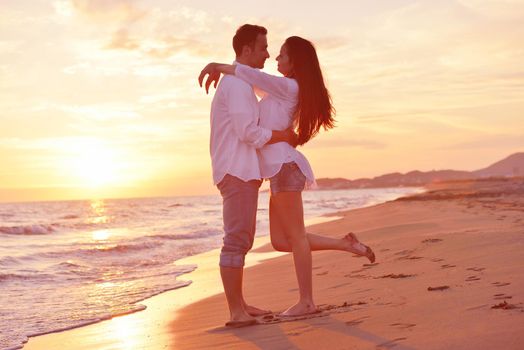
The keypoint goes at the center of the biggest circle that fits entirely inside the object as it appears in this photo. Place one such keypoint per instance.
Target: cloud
(121, 40)
(108, 11)
(151, 32)
(160, 48)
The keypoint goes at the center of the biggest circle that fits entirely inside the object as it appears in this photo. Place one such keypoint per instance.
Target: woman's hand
(288, 136)
(212, 73)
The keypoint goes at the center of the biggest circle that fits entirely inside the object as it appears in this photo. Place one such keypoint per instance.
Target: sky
(100, 98)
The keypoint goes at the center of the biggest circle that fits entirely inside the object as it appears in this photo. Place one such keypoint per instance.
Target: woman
(298, 99)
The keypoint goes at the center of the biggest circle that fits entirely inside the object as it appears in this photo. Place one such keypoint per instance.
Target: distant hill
(508, 167)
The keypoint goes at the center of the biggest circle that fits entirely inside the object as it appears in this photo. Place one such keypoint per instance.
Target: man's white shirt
(235, 133)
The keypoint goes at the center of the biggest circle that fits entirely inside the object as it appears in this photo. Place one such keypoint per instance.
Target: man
(235, 136)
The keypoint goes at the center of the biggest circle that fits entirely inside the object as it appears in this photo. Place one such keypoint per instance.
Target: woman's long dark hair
(314, 108)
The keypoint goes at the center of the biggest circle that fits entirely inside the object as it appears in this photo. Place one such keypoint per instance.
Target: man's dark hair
(246, 35)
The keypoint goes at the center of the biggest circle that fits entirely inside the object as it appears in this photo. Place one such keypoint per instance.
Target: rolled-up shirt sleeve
(244, 118)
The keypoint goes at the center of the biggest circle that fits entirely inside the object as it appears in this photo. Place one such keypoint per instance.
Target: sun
(96, 164)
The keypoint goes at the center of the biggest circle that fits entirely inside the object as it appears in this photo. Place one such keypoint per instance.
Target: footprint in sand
(502, 296)
(339, 308)
(356, 321)
(390, 344)
(403, 325)
(370, 265)
(472, 278)
(274, 318)
(500, 284)
(438, 288)
(322, 273)
(447, 266)
(356, 275)
(476, 269)
(323, 311)
(410, 258)
(392, 275)
(505, 306)
(405, 252)
(437, 260)
(432, 240)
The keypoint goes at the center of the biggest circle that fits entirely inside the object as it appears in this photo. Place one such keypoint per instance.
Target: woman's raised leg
(280, 242)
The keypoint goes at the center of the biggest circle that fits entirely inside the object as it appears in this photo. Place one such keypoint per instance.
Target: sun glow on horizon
(95, 164)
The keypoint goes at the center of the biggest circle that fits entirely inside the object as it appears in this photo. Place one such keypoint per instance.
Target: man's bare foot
(255, 311)
(241, 320)
(353, 245)
(300, 309)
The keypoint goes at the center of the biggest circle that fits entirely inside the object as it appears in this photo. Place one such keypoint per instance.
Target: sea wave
(121, 248)
(76, 270)
(67, 217)
(9, 260)
(12, 276)
(195, 234)
(5, 277)
(28, 230)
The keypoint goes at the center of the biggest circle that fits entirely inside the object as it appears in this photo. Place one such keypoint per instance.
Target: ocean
(65, 264)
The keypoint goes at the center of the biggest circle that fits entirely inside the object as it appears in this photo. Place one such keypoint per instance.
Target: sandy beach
(448, 275)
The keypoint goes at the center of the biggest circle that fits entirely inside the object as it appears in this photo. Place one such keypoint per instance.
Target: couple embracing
(252, 141)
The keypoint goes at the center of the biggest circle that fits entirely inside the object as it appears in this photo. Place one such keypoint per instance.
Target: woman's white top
(277, 107)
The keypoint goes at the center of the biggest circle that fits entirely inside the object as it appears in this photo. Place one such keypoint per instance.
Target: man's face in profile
(259, 53)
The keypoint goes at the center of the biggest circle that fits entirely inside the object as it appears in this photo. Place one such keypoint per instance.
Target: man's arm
(254, 136)
(240, 105)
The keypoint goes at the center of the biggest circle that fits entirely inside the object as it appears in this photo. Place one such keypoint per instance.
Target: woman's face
(284, 64)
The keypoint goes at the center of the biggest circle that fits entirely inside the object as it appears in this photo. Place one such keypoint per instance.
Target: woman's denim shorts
(289, 179)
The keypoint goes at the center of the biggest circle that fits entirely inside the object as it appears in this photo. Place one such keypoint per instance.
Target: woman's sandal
(360, 247)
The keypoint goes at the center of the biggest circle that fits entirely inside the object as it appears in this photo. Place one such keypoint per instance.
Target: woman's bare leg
(281, 243)
(288, 207)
